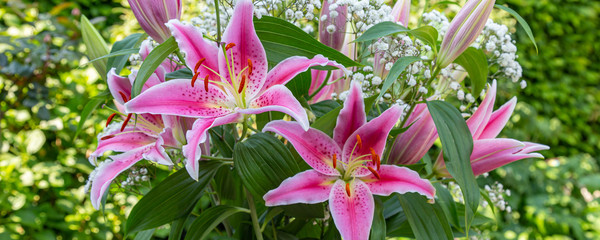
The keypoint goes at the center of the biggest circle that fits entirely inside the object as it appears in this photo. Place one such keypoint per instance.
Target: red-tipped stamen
(206, 83)
(229, 46)
(123, 96)
(110, 118)
(374, 172)
(358, 141)
(125, 122)
(195, 78)
(378, 162)
(198, 64)
(348, 189)
(107, 137)
(242, 83)
(375, 157)
(334, 160)
(249, 66)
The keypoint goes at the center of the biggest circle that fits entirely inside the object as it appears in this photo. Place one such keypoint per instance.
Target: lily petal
(177, 97)
(278, 98)
(195, 47)
(199, 134)
(287, 69)
(248, 48)
(481, 117)
(124, 141)
(373, 135)
(314, 146)
(498, 120)
(117, 85)
(352, 116)
(411, 145)
(489, 154)
(352, 215)
(308, 187)
(398, 179)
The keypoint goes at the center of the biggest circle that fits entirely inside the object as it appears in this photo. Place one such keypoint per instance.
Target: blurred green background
(44, 85)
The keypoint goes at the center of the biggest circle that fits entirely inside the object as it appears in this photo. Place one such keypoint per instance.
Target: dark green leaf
(427, 34)
(184, 73)
(447, 203)
(266, 117)
(89, 107)
(475, 62)
(177, 227)
(378, 227)
(282, 40)
(300, 84)
(395, 72)
(210, 218)
(457, 145)
(171, 199)
(522, 22)
(381, 29)
(128, 43)
(327, 122)
(304, 211)
(323, 107)
(155, 58)
(424, 220)
(223, 139)
(144, 235)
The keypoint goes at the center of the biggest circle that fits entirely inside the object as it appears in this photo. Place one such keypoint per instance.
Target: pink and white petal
(308, 187)
(373, 135)
(533, 147)
(131, 138)
(178, 97)
(145, 49)
(117, 84)
(278, 98)
(352, 116)
(318, 77)
(157, 153)
(489, 154)
(352, 215)
(108, 170)
(248, 47)
(411, 145)
(199, 134)
(400, 180)
(480, 118)
(498, 120)
(192, 43)
(292, 66)
(314, 146)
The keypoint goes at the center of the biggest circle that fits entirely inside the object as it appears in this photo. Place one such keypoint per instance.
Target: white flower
(470, 98)
(376, 80)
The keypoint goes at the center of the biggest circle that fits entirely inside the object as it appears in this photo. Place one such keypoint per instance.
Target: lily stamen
(126, 121)
(206, 83)
(123, 96)
(334, 160)
(358, 141)
(374, 172)
(242, 83)
(198, 64)
(348, 189)
(249, 66)
(110, 118)
(229, 46)
(107, 137)
(195, 78)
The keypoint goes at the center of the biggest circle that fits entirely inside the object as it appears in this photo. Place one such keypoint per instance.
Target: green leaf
(263, 118)
(381, 29)
(522, 22)
(425, 221)
(263, 162)
(144, 235)
(184, 73)
(155, 58)
(95, 45)
(177, 227)
(222, 139)
(282, 39)
(427, 34)
(457, 145)
(327, 122)
(378, 227)
(395, 72)
(210, 218)
(323, 107)
(89, 107)
(300, 84)
(171, 199)
(117, 53)
(127, 44)
(445, 200)
(475, 62)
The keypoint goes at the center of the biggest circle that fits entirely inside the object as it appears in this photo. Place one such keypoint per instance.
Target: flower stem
(253, 216)
(320, 87)
(216, 158)
(218, 21)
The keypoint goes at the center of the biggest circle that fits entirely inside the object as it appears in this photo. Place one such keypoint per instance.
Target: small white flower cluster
(135, 177)
(365, 13)
(292, 10)
(496, 193)
(207, 22)
(437, 20)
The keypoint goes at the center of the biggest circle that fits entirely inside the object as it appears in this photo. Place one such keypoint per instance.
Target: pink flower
(346, 169)
(229, 81)
(401, 12)
(333, 29)
(490, 152)
(464, 29)
(411, 145)
(153, 14)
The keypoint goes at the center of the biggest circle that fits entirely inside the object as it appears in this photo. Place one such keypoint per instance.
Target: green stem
(320, 87)
(181, 59)
(218, 22)
(244, 130)
(215, 158)
(418, 95)
(253, 216)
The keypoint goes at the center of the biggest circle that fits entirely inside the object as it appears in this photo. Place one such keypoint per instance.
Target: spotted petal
(117, 85)
(280, 99)
(352, 215)
(178, 97)
(124, 141)
(192, 43)
(398, 179)
(314, 146)
(308, 187)
(352, 116)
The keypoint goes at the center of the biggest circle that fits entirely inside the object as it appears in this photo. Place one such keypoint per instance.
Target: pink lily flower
(153, 14)
(490, 152)
(145, 139)
(346, 169)
(411, 145)
(401, 12)
(464, 30)
(235, 81)
(335, 38)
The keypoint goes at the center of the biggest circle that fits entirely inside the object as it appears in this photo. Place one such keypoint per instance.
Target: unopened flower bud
(153, 14)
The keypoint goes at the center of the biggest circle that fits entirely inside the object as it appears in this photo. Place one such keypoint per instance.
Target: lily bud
(411, 145)
(401, 11)
(153, 14)
(332, 27)
(464, 29)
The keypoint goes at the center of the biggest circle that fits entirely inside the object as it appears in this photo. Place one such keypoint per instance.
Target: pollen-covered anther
(229, 46)
(376, 159)
(348, 189)
(374, 172)
(358, 141)
(194, 78)
(334, 160)
(242, 83)
(126, 121)
(198, 64)
(249, 66)
(110, 118)
(206, 83)
(123, 96)
(107, 137)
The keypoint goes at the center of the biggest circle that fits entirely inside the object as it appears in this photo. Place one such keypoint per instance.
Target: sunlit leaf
(476, 64)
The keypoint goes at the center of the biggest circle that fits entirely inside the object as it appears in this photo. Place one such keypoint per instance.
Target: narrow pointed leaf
(89, 107)
(211, 218)
(427, 34)
(378, 227)
(395, 72)
(522, 22)
(177, 227)
(116, 54)
(424, 220)
(445, 200)
(128, 43)
(381, 29)
(475, 62)
(95, 45)
(184, 73)
(144, 235)
(155, 58)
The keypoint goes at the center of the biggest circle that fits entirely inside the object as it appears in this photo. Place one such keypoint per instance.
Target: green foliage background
(43, 88)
